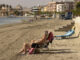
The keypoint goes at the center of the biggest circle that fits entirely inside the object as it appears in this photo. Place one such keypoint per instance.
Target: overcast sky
(27, 3)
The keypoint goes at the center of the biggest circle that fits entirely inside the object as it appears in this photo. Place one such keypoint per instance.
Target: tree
(77, 11)
(78, 5)
(16, 12)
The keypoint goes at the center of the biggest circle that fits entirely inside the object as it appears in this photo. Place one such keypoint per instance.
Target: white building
(60, 8)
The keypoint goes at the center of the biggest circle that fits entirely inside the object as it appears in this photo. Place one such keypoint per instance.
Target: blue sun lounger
(69, 33)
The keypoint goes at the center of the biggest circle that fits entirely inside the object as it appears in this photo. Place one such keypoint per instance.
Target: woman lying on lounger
(34, 44)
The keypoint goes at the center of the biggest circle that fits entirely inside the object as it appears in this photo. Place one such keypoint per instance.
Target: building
(77, 0)
(69, 6)
(5, 10)
(51, 7)
(26, 11)
(59, 6)
(19, 7)
(44, 8)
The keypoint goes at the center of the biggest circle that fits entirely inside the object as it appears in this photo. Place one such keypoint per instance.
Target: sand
(12, 37)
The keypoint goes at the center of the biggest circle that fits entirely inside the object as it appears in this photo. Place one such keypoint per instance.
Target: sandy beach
(12, 37)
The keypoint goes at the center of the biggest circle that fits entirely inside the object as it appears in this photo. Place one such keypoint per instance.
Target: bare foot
(23, 53)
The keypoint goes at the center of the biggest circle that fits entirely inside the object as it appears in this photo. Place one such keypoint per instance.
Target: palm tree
(0, 7)
(3, 5)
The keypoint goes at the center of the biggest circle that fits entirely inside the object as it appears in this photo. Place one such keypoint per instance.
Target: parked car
(68, 15)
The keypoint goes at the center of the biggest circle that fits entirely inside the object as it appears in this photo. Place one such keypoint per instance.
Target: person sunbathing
(35, 44)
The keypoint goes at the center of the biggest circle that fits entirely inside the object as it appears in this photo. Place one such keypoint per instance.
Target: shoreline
(28, 21)
(12, 21)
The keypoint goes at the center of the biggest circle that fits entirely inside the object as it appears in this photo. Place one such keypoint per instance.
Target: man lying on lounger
(48, 37)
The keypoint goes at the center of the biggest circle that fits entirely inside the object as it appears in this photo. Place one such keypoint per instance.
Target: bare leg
(32, 41)
(26, 46)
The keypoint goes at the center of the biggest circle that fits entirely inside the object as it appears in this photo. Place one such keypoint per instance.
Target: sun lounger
(69, 33)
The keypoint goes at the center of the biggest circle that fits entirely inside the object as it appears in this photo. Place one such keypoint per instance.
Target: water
(7, 20)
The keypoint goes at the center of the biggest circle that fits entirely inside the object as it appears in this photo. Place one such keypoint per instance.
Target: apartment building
(59, 6)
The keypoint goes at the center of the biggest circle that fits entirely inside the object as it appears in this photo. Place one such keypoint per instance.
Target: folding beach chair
(44, 45)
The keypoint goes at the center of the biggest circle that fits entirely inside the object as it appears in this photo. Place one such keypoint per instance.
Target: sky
(27, 3)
